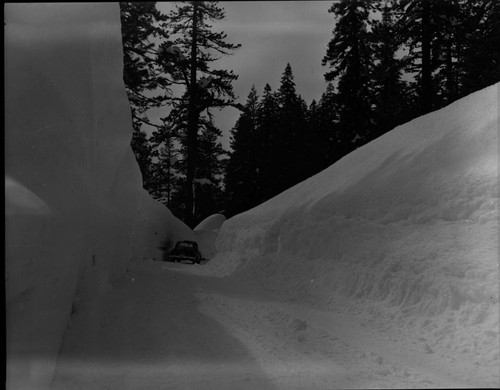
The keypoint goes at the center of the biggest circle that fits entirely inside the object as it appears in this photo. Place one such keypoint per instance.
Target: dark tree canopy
(349, 57)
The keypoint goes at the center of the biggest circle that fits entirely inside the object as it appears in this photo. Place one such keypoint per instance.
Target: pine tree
(165, 162)
(481, 50)
(329, 130)
(453, 46)
(291, 132)
(209, 191)
(191, 52)
(270, 173)
(426, 28)
(447, 51)
(426, 38)
(242, 177)
(349, 57)
(142, 74)
(390, 93)
(315, 143)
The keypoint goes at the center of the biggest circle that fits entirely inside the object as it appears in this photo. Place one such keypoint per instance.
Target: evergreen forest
(388, 61)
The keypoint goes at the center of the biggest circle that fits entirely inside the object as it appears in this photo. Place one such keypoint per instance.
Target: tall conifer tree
(330, 149)
(242, 177)
(480, 22)
(194, 47)
(267, 128)
(291, 132)
(209, 189)
(419, 26)
(391, 97)
(349, 58)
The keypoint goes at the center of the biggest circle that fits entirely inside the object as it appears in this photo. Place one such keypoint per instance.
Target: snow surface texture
(403, 231)
(206, 234)
(76, 213)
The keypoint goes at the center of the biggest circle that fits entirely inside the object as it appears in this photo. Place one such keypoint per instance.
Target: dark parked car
(185, 250)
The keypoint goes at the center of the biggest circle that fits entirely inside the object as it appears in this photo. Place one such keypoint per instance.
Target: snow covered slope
(206, 234)
(76, 212)
(403, 231)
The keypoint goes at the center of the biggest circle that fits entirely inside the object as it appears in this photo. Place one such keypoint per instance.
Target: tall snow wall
(206, 234)
(75, 206)
(403, 229)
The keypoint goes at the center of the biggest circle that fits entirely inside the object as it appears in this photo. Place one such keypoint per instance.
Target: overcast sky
(273, 33)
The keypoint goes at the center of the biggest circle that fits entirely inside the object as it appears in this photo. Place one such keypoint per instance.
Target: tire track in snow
(301, 347)
(149, 334)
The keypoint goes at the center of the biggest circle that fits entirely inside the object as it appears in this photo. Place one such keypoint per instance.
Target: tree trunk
(450, 79)
(426, 81)
(192, 126)
(169, 172)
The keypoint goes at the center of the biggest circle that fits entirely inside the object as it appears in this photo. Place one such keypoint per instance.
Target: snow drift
(76, 213)
(206, 234)
(403, 231)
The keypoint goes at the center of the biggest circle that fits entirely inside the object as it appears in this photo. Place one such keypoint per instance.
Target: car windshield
(185, 245)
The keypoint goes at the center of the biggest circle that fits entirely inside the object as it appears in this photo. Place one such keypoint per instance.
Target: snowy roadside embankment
(206, 234)
(403, 231)
(76, 212)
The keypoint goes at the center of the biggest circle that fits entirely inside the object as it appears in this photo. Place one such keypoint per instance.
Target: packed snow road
(175, 326)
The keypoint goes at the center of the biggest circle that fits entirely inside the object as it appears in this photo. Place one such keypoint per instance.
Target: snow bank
(75, 208)
(403, 230)
(206, 234)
